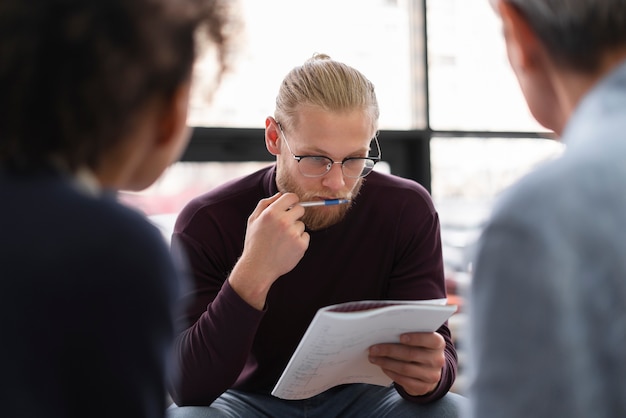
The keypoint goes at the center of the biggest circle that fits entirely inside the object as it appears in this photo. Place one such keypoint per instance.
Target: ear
(173, 120)
(272, 133)
(523, 46)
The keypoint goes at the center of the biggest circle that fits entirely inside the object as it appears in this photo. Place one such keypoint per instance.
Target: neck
(572, 86)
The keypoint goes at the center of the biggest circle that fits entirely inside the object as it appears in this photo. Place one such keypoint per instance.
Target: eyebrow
(316, 152)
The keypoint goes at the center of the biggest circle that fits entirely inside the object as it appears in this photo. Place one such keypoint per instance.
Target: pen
(324, 202)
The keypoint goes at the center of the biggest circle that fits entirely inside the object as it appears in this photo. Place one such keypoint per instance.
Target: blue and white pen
(324, 202)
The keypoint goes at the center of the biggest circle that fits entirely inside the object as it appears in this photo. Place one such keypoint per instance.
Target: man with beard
(256, 289)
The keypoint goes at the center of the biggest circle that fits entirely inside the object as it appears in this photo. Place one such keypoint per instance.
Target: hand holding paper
(334, 349)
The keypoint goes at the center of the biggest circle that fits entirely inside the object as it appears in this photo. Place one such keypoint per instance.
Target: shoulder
(83, 238)
(125, 236)
(231, 200)
(553, 211)
(396, 205)
(127, 259)
(560, 188)
(380, 179)
(399, 192)
(112, 220)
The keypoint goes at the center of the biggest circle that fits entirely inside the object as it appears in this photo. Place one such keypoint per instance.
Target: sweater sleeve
(210, 354)
(217, 326)
(418, 274)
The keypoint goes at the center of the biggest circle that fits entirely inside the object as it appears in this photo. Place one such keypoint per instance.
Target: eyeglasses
(319, 165)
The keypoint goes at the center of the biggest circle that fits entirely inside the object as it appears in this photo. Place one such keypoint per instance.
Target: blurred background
(452, 115)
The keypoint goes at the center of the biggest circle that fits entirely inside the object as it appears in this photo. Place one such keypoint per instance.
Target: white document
(334, 349)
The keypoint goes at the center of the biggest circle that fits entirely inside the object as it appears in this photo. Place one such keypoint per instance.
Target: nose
(334, 179)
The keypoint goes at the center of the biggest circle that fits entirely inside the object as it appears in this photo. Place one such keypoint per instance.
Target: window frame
(406, 151)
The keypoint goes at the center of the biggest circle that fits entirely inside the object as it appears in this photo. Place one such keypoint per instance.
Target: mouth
(330, 198)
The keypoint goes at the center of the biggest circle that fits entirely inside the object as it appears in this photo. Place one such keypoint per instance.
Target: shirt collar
(84, 179)
(607, 99)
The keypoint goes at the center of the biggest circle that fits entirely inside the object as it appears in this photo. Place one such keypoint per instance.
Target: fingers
(416, 377)
(274, 243)
(264, 204)
(415, 364)
(431, 340)
(424, 383)
(424, 340)
(399, 357)
(275, 239)
(279, 203)
(425, 348)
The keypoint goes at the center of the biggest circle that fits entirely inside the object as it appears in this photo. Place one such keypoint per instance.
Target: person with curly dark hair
(93, 99)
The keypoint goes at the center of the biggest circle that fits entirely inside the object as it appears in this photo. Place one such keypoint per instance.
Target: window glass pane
(180, 183)
(371, 35)
(183, 181)
(468, 174)
(471, 85)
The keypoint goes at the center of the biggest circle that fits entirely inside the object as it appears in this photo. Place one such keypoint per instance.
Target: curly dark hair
(74, 74)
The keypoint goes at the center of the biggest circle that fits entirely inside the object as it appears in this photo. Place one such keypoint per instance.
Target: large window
(471, 85)
(441, 75)
(371, 35)
(452, 115)
(450, 105)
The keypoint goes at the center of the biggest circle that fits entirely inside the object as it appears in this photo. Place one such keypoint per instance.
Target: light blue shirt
(548, 297)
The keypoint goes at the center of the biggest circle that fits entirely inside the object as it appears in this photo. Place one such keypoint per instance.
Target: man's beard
(318, 217)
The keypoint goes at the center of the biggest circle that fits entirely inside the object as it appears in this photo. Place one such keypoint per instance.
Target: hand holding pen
(275, 242)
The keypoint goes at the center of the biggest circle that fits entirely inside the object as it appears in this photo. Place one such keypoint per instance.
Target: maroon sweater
(387, 247)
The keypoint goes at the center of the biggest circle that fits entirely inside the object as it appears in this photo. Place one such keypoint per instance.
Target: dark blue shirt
(86, 292)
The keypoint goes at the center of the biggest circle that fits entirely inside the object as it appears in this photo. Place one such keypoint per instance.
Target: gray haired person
(547, 302)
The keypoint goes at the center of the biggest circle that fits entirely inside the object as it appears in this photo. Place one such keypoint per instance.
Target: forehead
(314, 125)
